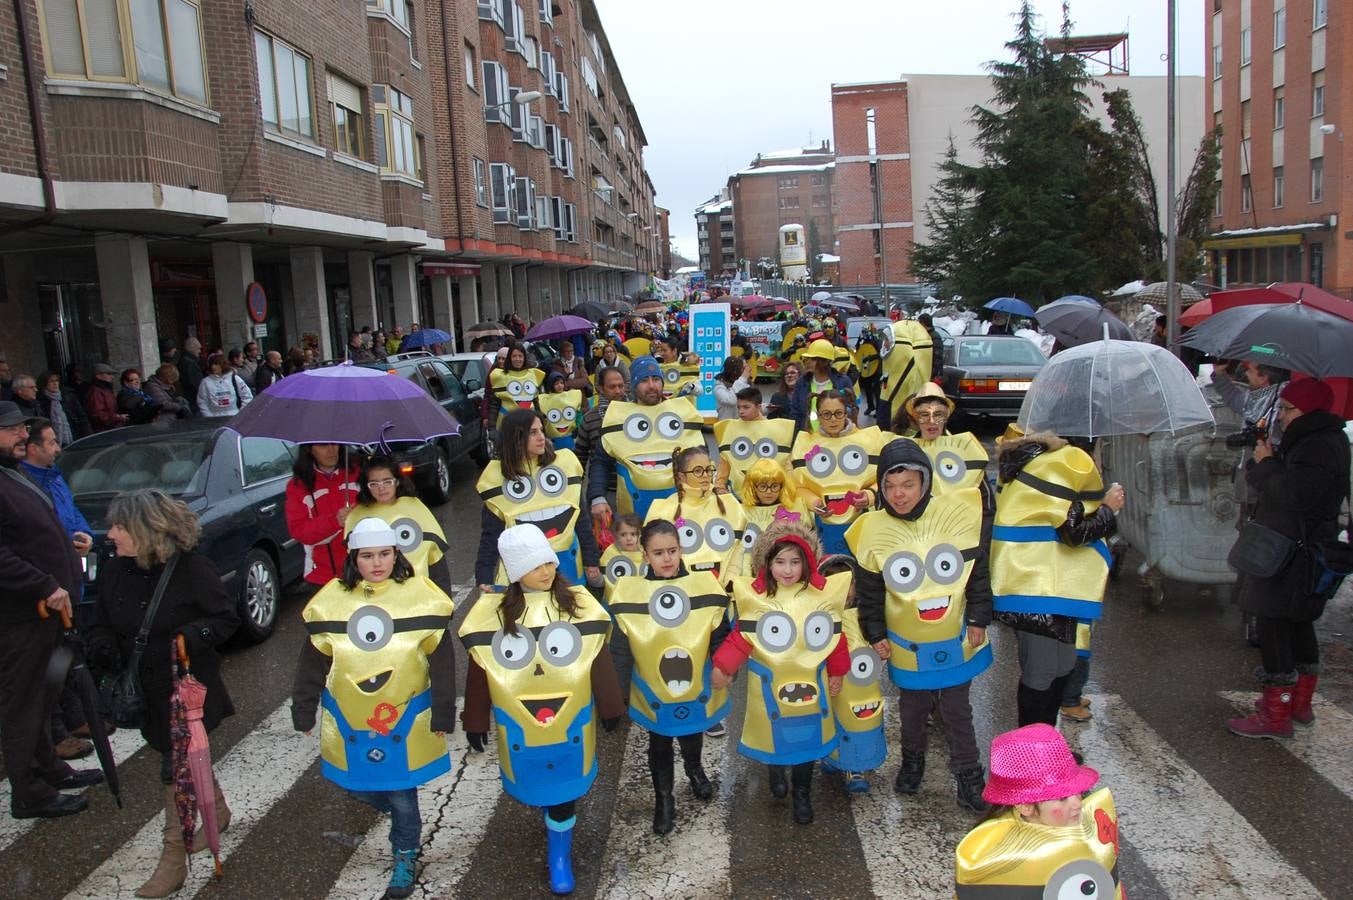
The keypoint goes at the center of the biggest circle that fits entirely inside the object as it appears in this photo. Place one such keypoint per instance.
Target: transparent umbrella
(1113, 387)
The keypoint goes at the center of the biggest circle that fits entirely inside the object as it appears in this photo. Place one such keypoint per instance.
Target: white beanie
(523, 548)
(372, 532)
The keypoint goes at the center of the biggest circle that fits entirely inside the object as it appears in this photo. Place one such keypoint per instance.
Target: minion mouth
(706, 567)
(837, 504)
(866, 710)
(676, 670)
(525, 404)
(932, 610)
(545, 709)
(651, 462)
(375, 682)
(552, 519)
(797, 692)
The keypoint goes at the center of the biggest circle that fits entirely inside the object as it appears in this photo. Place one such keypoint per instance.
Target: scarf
(60, 424)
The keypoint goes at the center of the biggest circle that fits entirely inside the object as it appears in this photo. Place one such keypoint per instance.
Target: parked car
(989, 374)
(471, 369)
(236, 486)
(429, 463)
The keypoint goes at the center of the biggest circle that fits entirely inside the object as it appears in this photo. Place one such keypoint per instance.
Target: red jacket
(312, 519)
(101, 404)
(733, 652)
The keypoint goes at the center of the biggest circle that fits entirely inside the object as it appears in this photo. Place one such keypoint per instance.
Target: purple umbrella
(559, 327)
(344, 404)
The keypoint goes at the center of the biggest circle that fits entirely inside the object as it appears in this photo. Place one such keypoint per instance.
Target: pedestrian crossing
(1182, 838)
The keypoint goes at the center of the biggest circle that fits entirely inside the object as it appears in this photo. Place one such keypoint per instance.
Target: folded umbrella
(1290, 336)
(1074, 322)
(557, 327)
(194, 780)
(488, 329)
(1011, 306)
(424, 337)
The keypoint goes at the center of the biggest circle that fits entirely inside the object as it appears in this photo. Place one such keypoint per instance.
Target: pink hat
(1033, 764)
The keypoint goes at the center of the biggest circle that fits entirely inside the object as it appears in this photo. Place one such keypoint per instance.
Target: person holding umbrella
(155, 538)
(321, 493)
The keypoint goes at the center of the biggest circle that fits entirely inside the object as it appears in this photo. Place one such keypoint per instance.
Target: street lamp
(521, 99)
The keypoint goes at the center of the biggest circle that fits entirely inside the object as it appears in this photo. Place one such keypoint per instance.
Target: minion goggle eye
(865, 666)
(670, 606)
(370, 628)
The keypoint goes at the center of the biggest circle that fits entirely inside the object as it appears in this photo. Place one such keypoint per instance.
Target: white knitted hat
(523, 548)
(372, 532)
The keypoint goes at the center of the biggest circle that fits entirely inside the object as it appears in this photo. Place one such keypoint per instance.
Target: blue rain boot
(402, 878)
(856, 783)
(561, 854)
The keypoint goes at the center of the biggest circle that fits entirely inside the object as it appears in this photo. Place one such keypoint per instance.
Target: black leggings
(660, 747)
(1286, 646)
(562, 812)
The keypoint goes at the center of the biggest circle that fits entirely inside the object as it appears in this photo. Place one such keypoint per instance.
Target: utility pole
(1171, 205)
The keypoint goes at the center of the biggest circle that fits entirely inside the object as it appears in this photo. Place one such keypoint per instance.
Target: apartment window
(819, 180)
(526, 204)
(551, 135)
(396, 150)
(1245, 35)
(546, 10)
(517, 114)
(284, 86)
(787, 181)
(481, 183)
(1279, 109)
(1245, 120)
(1279, 27)
(492, 11)
(1318, 94)
(399, 10)
(789, 202)
(1216, 204)
(496, 88)
(547, 71)
(1246, 194)
(566, 151)
(503, 181)
(571, 223)
(471, 65)
(819, 201)
(557, 216)
(1279, 187)
(561, 90)
(543, 220)
(1317, 180)
(589, 77)
(1216, 61)
(1321, 14)
(345, 99)
(514, 27)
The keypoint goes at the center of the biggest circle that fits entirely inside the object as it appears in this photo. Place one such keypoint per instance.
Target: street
(1203, 813)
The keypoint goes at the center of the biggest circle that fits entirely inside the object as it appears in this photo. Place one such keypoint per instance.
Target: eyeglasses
(939, 416)
(832, 414)
(767, 486)
(383, 483)
(700, 471)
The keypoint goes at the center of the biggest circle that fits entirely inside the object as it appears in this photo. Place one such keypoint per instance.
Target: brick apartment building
(1281, 87)
(783, 187)
(362, 165)
(715, 230)
(664, 264)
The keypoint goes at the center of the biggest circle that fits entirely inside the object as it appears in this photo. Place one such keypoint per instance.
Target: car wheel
(260, 592)
(438, 490)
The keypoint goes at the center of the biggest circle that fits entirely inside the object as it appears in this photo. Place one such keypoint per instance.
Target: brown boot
(172, 868)
(222, 821)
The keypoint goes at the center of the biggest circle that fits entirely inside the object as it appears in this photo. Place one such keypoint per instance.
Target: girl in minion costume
(743, 443)
(561, 412)
(625, 556)
(788, 633)
(387, 493)
(770, 492)
(837, 463)
(515, 388)
(675, 621)
(538, 660)
(380, 661)
(1047, 835)
(709, 524)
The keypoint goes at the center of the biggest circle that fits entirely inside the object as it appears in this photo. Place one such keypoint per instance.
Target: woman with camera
(159, 583)
(1298, 491)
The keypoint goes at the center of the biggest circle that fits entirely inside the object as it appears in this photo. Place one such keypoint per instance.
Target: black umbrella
(1286, 335)
(591, 310)
(1074, 322)
(70, 657)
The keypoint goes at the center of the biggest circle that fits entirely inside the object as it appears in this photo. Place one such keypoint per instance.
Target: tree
(1123, 215)
(1195, 206)
(948, 215)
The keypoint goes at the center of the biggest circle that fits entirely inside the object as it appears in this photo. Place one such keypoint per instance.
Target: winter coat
(800, 400)
(1301, 487)
(195, 605)
(190, 374)
(137, 406)
(36, 556)
(223, 395)
(265, 377)
(101, 404)
(312, 519)
(55, 487)
(76, 416)
(168, 400)
(726, 396)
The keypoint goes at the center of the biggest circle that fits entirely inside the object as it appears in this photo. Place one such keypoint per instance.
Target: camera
(1247, 437)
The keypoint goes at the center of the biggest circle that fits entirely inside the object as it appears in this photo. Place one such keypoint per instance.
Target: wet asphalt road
(1198, 807)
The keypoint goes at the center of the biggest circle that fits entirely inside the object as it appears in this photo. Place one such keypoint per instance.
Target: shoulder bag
(126, 699)
(1260, 551)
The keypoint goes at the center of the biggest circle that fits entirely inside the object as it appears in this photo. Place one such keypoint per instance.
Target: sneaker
(402, 876)
(71, 747)
(1079, 713)
(716, 730)
(856, 783)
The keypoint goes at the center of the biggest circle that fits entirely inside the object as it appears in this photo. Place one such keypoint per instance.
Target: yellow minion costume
(859, 707)
(562, 413)
(617, 564)
(906, 361)
(549, 497)
(680, 379)
(641, 439)
(959, 461)
(743, 443)
(418, 534)
(515, 388)
(709, 529)
(835, 468)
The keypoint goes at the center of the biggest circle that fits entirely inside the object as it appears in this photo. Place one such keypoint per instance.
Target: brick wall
(16, 127)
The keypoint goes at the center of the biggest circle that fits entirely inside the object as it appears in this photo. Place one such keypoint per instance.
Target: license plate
(1014, 385)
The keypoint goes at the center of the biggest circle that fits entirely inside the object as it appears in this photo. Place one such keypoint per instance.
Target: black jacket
(36, 555)
(1300, 488)
(264, 378)
(190, 377)
(195, 605)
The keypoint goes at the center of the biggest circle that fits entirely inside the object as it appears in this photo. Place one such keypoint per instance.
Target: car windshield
(999, 353)
(164, 461)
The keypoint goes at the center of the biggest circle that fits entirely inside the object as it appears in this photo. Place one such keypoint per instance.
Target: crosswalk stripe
(694, 859)
(456, 809)
(1323, 748)
(254, 775)
(124, 742)
(1194, 842)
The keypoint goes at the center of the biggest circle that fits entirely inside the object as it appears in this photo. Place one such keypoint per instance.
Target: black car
(989, 374)
(428, 464)
(237, 486)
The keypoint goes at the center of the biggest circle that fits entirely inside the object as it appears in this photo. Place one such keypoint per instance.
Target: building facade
(289, 172)
(715, 231)
(783, 187)
(1279, 86)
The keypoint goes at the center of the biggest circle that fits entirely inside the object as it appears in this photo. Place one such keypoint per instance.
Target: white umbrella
(819, 296)
(1111, 388)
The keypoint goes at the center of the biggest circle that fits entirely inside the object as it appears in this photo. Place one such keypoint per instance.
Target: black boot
(909, 776)
(802, 776)
(969, 784)
(779, 785)
(660, 766)
(691, 745)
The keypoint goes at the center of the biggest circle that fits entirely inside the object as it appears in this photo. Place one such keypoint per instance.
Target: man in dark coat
(190, 370)
(1299, 490)
(38, 565)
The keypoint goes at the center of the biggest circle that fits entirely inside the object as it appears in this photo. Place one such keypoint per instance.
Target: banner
(765, 338)
(709, 339)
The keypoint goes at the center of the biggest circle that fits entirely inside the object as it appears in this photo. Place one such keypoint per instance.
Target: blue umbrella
(1011, 306)
(424, 337)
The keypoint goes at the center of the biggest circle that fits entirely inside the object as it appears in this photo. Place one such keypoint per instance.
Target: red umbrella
(1196, 313)
(194, 780)
(1286, 292)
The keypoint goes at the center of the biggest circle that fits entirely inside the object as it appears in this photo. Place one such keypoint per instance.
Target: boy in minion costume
(562, 413)
(515, 389)
(906, 365)
(380, 661)
(925, 604)
(538, 660)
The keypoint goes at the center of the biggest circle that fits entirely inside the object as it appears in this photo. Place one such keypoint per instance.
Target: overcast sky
(717, 81)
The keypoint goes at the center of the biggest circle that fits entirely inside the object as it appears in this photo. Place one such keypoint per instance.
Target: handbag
(1261, 552)
(125, 699)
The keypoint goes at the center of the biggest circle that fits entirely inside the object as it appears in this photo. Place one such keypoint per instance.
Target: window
(789, 202)
(345, 100)
(496, 95)
(1279, 187)
(1317, 180)
(544, 221)
(1245, 121)
(491, 11)
(1216, 61)
(788, 181)
(552, 144)
(471, 65)
(561, 90)
(546, 10)
(571, 223)
(1321, 14)
(590, 77)
(1279, 109)
(1317, 264)
(284, 86)
(1246, 194)
(819, 201)
(1279, 27)
(819, 180)
(517, 114)
(503, 181)
(526, 204)
(265, 459)
(535, 132)
(557, 216)
(396, 150)
(69, 25)
(1245, 35)
(399, 10)
(1318, 94)
(514, 27)
(1216, 204)
(547, 71)
(481, 185)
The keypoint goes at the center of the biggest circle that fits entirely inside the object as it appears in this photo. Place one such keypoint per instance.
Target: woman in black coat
(1299, 490)
(148, 528)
